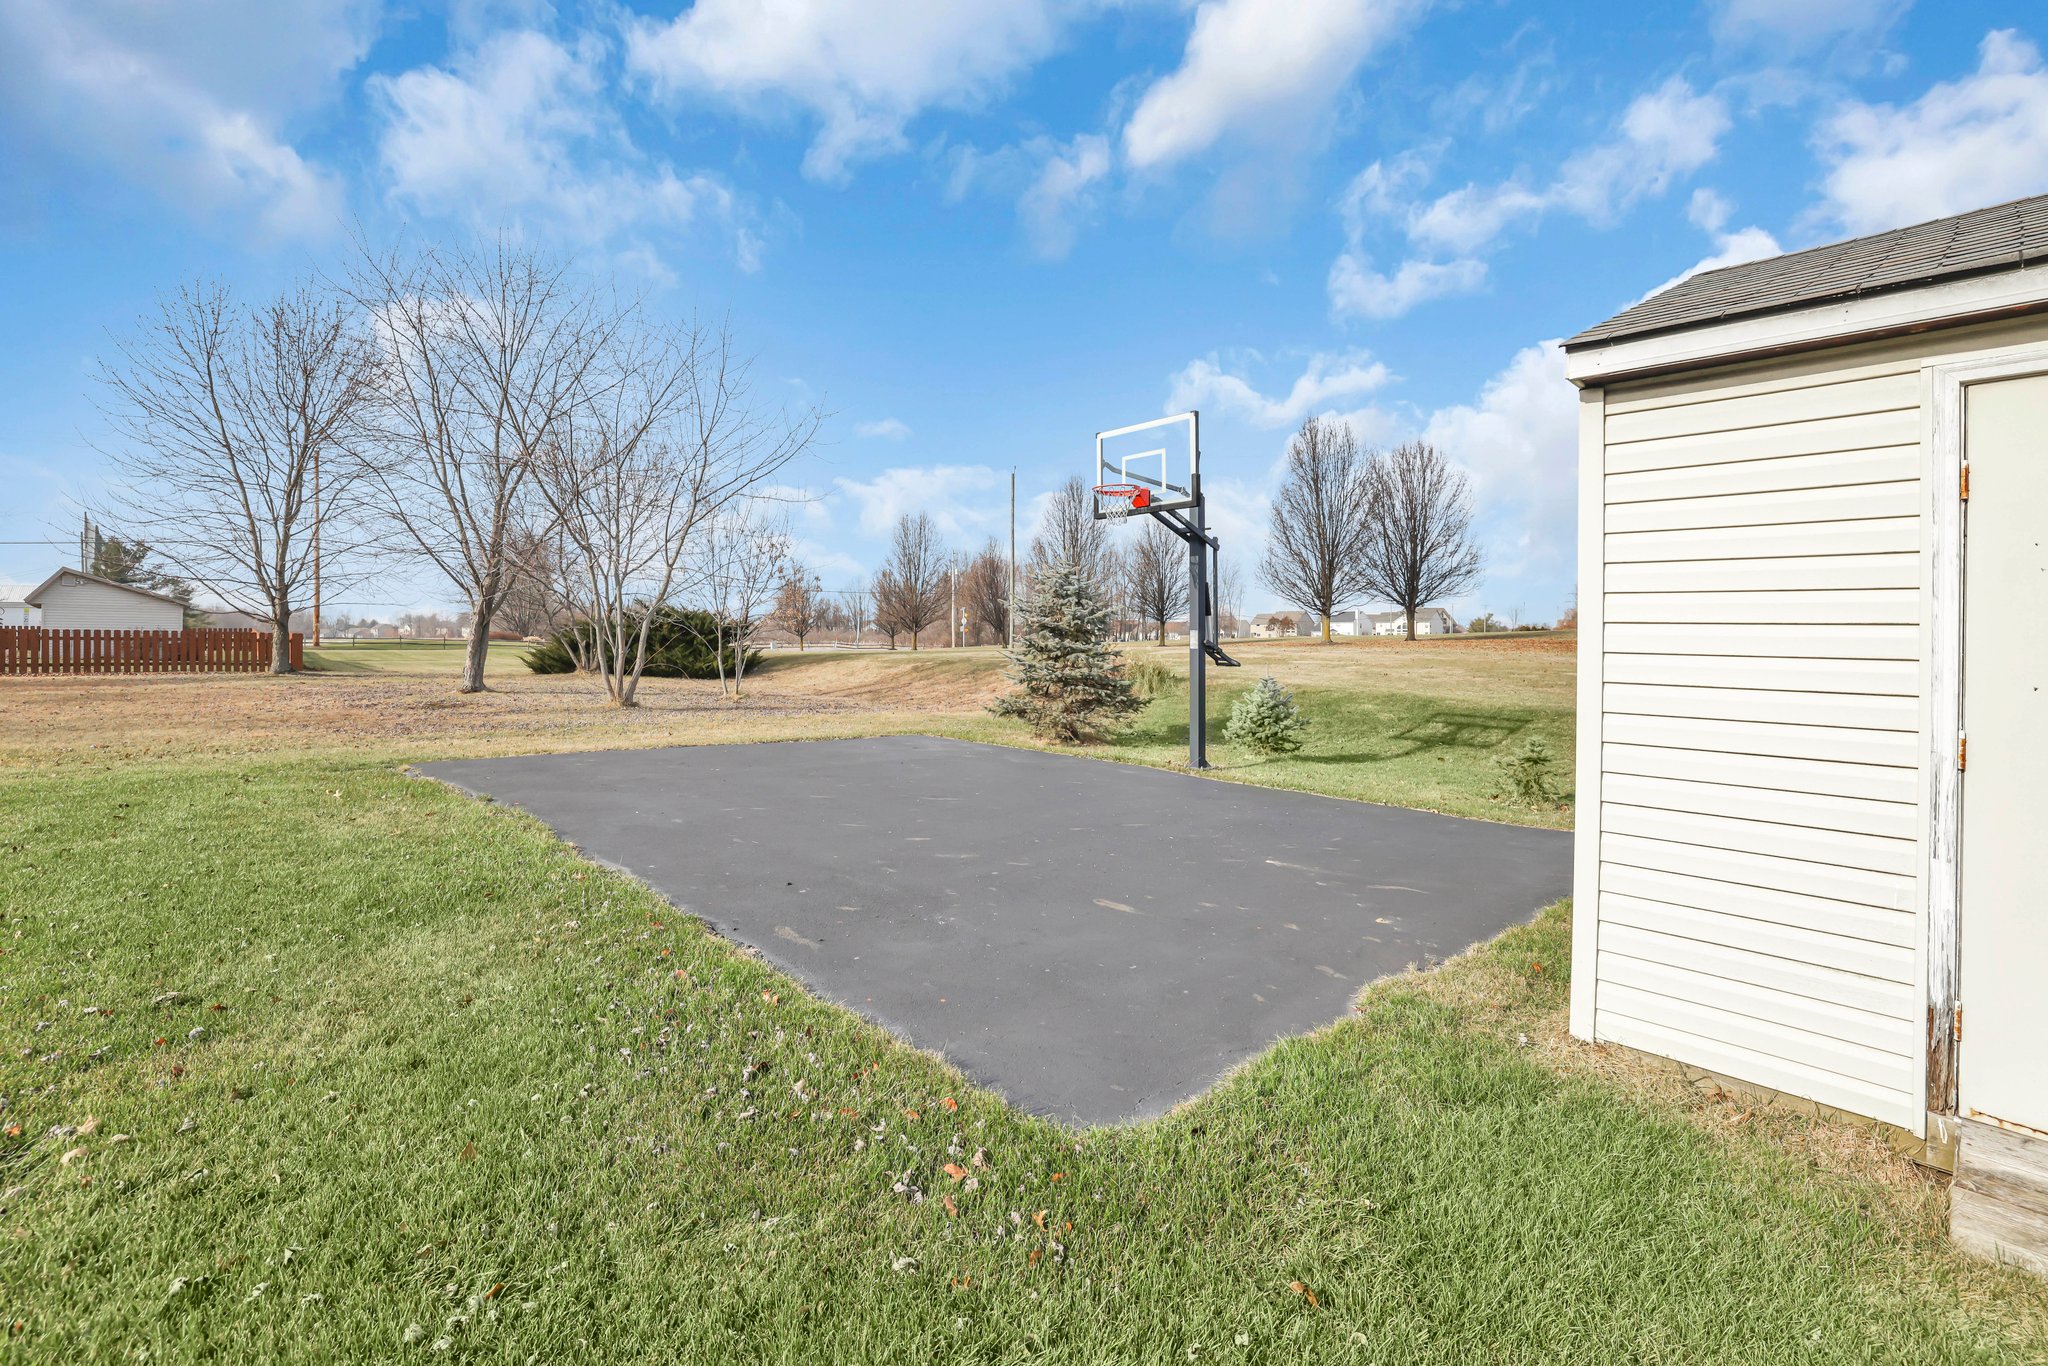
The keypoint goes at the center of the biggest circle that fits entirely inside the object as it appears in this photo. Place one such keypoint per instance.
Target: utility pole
(316, 547)
(952, 610)
(1010, 600)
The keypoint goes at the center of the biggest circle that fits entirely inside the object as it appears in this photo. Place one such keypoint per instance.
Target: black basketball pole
(1198, 692)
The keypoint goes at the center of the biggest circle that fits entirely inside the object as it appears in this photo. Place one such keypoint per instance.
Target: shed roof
(2002, 237)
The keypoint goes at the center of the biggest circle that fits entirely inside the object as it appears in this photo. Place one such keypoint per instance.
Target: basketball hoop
(1118, 501)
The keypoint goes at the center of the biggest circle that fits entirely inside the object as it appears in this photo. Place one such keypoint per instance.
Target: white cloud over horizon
(1258, 71)
(863, 69)
(1978, 140)
(521, 127)
(192, 103)
(1204, 383)
(1664, 134)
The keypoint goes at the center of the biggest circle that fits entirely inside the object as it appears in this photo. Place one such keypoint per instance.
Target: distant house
(72, 599)
(1267, 625)
(14, 608)
(1429, 621)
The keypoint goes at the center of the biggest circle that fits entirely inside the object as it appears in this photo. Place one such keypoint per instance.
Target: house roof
(15, 592)
(35, 596)
(2003, 237)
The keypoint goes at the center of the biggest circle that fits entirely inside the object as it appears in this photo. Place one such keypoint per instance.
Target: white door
(2002, 1069)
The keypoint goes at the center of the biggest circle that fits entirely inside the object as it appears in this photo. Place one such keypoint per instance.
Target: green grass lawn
(1396, 747)
(1401, 725)
(422, 657)
(308, 1061)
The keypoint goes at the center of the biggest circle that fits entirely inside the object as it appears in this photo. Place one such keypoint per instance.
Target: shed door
(2002, 1068)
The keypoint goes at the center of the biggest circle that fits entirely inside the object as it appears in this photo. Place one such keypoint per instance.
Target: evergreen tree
(1070, 682)
(1267, 720)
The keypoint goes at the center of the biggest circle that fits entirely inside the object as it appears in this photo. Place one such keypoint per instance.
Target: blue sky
(978, 232)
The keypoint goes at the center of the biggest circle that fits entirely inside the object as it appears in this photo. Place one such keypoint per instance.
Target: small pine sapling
(1527, 770)
(1266, 720)
(1071, 684)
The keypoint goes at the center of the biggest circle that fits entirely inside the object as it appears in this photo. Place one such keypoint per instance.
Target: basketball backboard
(1163, 457)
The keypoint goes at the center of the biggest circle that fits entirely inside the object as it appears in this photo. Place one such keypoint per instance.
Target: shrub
(1266, 720)
(1527, 771)
(1070, 683)
(679, 645)
(1150, 679)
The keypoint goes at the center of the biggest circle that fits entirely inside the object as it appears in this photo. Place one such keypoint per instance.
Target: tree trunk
(475, 652)
(281, 640)
(1326, 628)
(1411, 623)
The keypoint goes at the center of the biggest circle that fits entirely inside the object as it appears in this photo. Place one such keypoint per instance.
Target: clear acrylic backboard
(1162, 456)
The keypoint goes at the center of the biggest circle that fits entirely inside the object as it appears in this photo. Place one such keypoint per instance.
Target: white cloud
(1520, 442)
(1803, 25)
(886, 429)
(1258, 70)
(1204, 383)
(191, 101)
(1062, 193)
(1359, 291)
(1730, 249)
(1964, 144)
(863, 68)
(1665, 134)
(519, 126)
(967, 501)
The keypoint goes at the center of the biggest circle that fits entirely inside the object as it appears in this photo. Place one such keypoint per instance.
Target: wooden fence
(44, 650)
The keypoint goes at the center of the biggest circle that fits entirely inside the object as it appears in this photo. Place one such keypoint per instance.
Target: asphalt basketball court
(1094, 941)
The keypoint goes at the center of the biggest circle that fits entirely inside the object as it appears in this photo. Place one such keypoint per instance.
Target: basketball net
(1118, 501)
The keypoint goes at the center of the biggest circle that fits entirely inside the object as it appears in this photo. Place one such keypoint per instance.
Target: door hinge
(1956, 1029)
(1962, 753)
(1965, 492)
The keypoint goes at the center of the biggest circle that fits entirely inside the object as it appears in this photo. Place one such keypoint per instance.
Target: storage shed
(1813, 690)
(72, 599)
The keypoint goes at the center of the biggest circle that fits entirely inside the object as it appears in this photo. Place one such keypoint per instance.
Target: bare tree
(233, 421)
(885, 612)
(916, 575)
(1322, 521)
(535, 603)
(985, 593)
(1419, 545)
(1230, 592)
(801, 606)
(1069, 534)
(744, 558)
(663, 444)
(1157, 572)
(489, 351)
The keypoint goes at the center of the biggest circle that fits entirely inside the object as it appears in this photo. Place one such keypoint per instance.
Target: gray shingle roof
(2003, 237)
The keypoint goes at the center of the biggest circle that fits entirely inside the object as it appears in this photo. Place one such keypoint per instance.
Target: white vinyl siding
(1760, 724)
(74, 604)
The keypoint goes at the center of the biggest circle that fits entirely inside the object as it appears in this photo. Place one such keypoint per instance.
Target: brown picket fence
(46, 650)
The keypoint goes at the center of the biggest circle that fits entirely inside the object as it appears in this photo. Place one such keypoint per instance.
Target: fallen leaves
(952, 1210)
(950, 1104)
(1302, 1290)
(1039, 1218)
(956, 1171)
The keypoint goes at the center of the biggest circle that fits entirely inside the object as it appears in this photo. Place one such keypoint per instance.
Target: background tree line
(1352, 526)
(548, 450)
